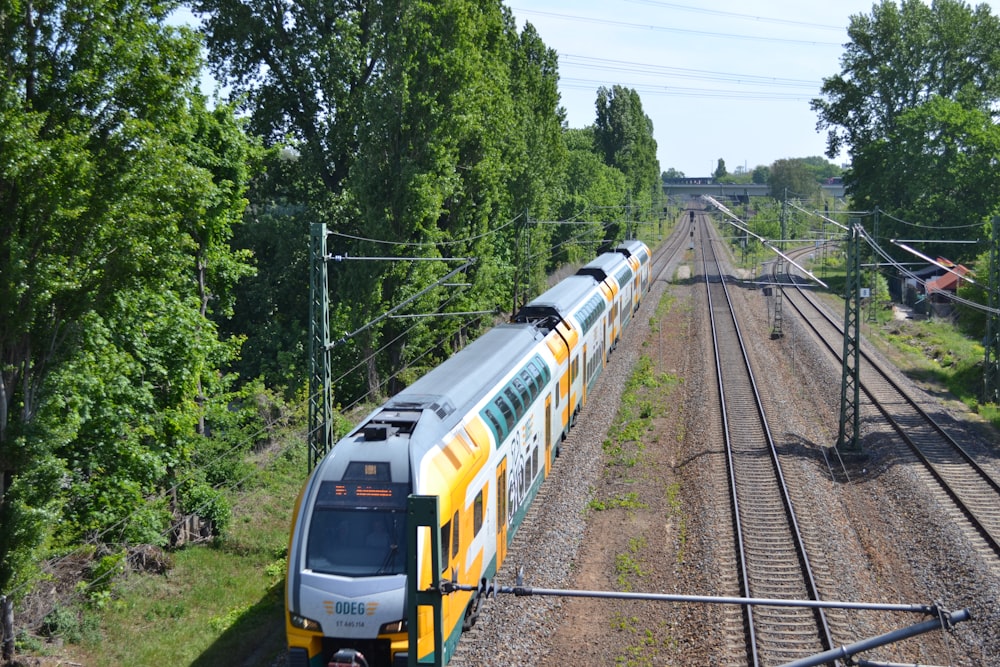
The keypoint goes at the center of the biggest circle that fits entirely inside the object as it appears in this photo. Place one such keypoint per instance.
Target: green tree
(792, 179)
(624, 135)
(596, 193)
(421, 129)
(116, 189)
(919, 86)
(760, 174)
(720, 170)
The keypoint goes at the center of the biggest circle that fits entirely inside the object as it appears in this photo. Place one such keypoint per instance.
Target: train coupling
(348, 657)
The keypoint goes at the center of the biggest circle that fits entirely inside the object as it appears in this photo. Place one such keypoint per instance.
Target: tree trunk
(7, 613)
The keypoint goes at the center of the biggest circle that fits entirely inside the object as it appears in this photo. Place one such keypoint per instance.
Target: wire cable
(688, 31)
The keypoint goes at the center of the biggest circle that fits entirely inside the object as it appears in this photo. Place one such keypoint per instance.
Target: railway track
(963, 482)
(772, 560)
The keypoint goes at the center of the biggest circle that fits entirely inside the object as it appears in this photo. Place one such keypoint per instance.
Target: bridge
(695, 187)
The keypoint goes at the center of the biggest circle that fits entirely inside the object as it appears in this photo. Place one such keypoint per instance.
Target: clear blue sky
(718, 78)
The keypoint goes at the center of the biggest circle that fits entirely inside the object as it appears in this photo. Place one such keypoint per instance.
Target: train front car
(347, 556)
(477, 433)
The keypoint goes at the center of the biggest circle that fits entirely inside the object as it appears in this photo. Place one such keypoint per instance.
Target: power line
(679, 91)
(688, 31)
(922, 226)
(426, 244)
(736, 15)
(592, 62)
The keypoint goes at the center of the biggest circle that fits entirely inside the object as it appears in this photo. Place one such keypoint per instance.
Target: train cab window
(356, 543)
(477, 514)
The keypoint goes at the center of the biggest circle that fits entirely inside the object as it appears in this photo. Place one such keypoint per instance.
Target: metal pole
(423, 512)
(519, 590)
(320, 435)
(946, 620)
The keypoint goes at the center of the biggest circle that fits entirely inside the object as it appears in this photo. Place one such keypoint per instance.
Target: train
(481, 432)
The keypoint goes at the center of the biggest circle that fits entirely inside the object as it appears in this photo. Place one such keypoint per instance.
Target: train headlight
(393, 628)
(304, 623)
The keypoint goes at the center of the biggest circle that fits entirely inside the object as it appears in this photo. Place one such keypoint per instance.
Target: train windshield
(357, 543)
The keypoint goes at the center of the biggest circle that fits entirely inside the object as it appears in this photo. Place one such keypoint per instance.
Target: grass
(219, 604)
(629, 501)
(628, 565)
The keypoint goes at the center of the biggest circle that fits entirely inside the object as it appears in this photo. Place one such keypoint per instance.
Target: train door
(501, 511)
(607, 342)
(548, 434)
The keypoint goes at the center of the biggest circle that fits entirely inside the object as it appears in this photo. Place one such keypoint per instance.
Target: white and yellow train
(480, 432)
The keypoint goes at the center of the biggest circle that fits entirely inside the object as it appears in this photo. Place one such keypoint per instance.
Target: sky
(718, 78)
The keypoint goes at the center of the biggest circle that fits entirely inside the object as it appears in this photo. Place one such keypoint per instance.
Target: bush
(208, 503)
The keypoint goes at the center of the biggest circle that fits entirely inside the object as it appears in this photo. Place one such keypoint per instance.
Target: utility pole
(320, 436)
(776, 330)
(873, 282)
(850, 388)
(991, 362)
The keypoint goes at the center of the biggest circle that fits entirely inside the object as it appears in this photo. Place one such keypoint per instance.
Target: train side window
(514, 399)
(506, 411)
(522, 389)
(445, 545)
(477, 513)
(500, 430)
(536, 375)
(530, 383)
(454, 537)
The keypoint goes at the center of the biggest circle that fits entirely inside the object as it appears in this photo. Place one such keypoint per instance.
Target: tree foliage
(623, 133)
(118, 191)
(421, 129)
(720, 170)
(915, 106)
(792, 179)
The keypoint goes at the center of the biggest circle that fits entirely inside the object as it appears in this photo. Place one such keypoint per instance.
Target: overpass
(695, 187)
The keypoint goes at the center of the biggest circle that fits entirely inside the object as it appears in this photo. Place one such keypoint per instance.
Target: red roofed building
(947, 282)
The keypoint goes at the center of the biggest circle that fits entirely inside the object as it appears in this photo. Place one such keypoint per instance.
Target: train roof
(465, 377)
(558, 301)
(633, 247)
(419, 417)
(607, 264)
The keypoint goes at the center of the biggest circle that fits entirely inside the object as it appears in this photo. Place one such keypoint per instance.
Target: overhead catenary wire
(670, 29)
(923, 226)
(891, 261)
(741, 225)
(737, 15)
(427, 244)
